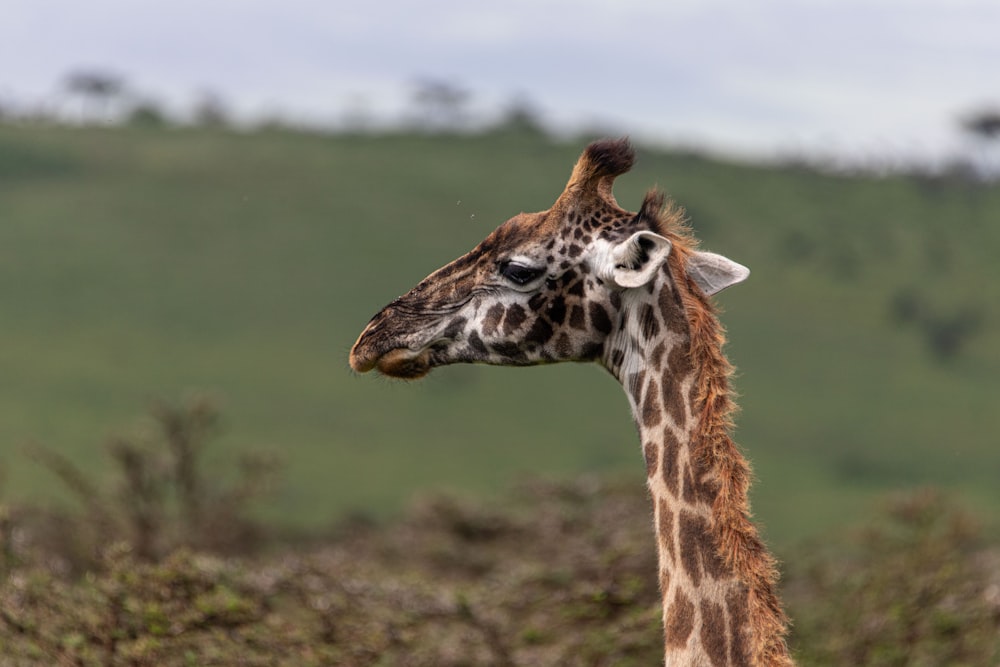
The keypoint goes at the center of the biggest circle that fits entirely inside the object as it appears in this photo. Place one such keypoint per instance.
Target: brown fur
(737, 541)
(595, 172)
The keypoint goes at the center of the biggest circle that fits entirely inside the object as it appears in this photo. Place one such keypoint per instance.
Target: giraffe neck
(716, 578)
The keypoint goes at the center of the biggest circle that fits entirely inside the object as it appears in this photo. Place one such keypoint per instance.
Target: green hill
(144, 263)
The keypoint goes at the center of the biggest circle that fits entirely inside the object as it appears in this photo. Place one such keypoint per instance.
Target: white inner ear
(714, 273)
(636, 260)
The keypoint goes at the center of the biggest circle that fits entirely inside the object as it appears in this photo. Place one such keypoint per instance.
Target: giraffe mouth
(401, 363)
(404, 355)
(404, 364)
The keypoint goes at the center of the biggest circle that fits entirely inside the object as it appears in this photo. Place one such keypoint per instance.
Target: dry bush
(160, 497)
(554, 574)
(918, 587)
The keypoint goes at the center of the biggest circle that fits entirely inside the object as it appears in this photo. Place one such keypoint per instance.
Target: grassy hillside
(143, 263)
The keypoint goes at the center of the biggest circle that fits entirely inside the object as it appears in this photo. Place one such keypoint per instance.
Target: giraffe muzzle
(375, 350)
(399, 363)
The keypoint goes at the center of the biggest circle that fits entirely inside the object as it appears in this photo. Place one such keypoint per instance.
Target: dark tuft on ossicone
(610, 157)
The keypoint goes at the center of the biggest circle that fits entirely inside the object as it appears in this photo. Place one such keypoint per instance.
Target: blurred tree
(146, 113)
(440, 106)
(983, 127)
(945, 328)
(98, 89)
(521, 117)
(211, 111)
(984, 124)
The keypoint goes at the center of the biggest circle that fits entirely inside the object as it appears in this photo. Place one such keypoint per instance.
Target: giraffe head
(542, 287)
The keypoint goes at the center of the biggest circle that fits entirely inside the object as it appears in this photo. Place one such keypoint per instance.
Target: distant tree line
(103, 97)
(436, 106)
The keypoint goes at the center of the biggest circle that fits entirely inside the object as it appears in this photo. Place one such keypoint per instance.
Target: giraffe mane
(736, 538)
(665, 217)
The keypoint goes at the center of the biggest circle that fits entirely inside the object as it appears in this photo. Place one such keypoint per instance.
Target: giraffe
(589, 281)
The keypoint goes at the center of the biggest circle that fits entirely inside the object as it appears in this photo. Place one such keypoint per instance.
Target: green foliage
(917, 588)
(555, 577)
(554, 574)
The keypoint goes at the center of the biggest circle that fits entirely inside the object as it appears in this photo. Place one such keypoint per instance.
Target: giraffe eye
(519, 274)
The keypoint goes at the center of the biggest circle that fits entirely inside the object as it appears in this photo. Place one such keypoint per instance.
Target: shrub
(916, 588)
(162, 497)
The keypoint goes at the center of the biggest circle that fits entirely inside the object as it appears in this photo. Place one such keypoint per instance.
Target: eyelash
(519, 274)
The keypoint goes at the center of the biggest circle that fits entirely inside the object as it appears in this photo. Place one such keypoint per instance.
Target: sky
(865, 79)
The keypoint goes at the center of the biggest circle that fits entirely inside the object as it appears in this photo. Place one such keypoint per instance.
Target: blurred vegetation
(554, 573)
(160, 499)
(918, 587)
(142, 259)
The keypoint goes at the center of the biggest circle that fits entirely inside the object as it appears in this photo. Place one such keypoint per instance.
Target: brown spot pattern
(599, 318)
(713, 632)
(649, 325)
(679, 360)
(679, 621)
(673, 399)
(689, 490)
(736, 604)
(666, 529)
(492, 319)
(699, 554)
(672, 310)
(515, 317)
(668, 465)
(477, 343)
(652, 458)
(557, 310)
(651, 413)
(657, 357)
(664, 580)
(540, 332)
(691, 534)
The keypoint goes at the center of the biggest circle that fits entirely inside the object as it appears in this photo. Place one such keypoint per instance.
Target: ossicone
(595, 171)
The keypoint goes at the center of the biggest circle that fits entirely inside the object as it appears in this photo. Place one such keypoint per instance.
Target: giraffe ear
(714, 273)
(635, 261)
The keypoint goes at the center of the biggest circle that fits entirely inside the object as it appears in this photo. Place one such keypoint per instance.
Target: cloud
(748, 74)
